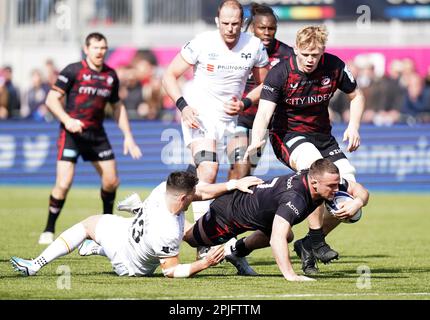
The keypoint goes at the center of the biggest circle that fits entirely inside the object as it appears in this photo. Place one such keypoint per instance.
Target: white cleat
(46, 237)
(131, 204)
(240, 263)
(25, 267)
(89, 248)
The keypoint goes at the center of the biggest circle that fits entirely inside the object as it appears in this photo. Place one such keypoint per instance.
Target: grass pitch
(384, 256)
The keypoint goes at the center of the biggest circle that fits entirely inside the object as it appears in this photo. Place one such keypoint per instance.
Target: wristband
(181, 103)
(246, 103)
(231, 184)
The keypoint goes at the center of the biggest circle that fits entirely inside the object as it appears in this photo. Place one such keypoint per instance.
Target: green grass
(392, 240)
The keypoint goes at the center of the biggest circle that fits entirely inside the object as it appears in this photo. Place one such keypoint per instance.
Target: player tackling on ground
(137, 246)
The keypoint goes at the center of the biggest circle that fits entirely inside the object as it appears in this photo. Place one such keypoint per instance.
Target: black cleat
(302, 247)
(324, 253)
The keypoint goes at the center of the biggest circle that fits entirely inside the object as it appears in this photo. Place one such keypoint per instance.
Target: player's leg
(206, 162)
(302, 153)
(63, 182)
(109, 183)
(66, 242)
(236, 149)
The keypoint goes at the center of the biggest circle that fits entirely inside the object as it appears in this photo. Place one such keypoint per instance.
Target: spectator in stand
(416, 106)
(339, 104)
(427, 77)
(149, 76)
(388, 97)
(408, 71)
(34, 106)
(4, 113)
(14, 100)
(132, 95)
(51, 72)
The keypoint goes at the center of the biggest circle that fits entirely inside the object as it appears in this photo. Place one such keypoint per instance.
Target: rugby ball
(333, 205)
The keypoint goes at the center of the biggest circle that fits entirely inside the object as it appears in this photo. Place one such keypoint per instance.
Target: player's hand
(253, 149)
(348, 209)
(233, 106)
(296, 277)
(130, 147)
(246, 182)
(351, 134)
(215, 255)
(74, 125)
(189, 117)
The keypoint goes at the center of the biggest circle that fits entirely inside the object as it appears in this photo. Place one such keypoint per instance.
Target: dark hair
(94, 35)
(321, 166)
(231, 3)
(182, 181)
(260, 10)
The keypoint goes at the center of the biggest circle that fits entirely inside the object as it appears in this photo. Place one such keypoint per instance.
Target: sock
(66, 242)
(55, 206)
(316, 236)
(240, 248)
(108, 199)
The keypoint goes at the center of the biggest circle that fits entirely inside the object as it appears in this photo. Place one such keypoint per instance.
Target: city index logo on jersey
(210, 67)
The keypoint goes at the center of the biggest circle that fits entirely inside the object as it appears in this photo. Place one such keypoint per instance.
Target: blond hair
(312, 37)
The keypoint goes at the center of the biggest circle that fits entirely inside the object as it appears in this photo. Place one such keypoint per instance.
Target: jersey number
(137, 231)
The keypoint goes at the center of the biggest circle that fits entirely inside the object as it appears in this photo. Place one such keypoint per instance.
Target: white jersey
(154, 234)
(220, 73)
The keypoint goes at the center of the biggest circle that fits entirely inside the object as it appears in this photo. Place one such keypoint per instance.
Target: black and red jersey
(302, 99)
(87, 92)
(277, 51)
(287, 196)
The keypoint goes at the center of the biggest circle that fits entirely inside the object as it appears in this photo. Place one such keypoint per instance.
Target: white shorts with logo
(212, 129)
(112, 234)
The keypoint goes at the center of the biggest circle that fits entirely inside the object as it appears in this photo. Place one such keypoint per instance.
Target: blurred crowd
(396, 95)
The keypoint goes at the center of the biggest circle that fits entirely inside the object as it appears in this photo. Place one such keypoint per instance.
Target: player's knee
(346, 169)
(111, 183)
(205, 156)
(237, 155)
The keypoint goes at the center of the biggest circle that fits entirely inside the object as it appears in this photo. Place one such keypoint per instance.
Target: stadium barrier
(390, 158)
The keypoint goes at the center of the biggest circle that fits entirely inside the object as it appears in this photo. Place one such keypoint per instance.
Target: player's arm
(54, 104)
(357, 106)
(361, 198)
(259, 127)
(172, 268)
(210, 191)
(176, 69)
(279, 245)
(120, 115)
(259, 76)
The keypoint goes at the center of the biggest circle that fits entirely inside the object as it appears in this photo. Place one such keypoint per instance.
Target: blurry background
(386, 44)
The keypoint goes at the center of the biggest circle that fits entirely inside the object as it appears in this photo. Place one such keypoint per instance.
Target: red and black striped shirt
(88, 91)
(302, 99)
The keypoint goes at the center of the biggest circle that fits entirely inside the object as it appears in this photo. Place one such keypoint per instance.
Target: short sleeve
(114, 97)
(166, 247)
(274, 83)
(292, 210)
(347, 82)
(191, 50)
(65, 79)
(262, 59)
